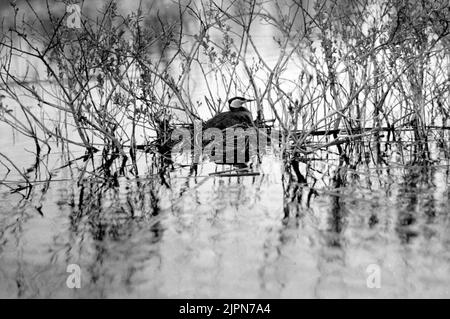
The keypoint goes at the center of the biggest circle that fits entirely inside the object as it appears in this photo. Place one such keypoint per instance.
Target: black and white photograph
(224, 149)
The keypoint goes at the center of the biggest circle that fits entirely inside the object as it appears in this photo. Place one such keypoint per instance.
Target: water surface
(222, 237)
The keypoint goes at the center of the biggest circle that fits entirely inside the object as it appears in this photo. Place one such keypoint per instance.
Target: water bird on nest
(237, 115)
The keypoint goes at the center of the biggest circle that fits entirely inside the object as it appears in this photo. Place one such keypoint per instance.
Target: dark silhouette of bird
(237, 115)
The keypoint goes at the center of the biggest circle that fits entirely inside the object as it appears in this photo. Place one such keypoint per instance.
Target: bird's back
(227, 119)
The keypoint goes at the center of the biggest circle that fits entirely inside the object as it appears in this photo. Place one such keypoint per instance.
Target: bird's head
(236, 103)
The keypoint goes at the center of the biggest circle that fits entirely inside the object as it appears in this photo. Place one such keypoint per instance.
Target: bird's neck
(239, 109)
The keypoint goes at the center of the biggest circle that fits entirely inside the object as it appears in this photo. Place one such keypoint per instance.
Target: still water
(228, 237)
(222, 237)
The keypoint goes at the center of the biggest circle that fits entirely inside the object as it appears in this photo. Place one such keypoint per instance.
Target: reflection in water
(305, 227)
(308, 231)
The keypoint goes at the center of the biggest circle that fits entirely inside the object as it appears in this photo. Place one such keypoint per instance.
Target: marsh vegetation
(358, 174)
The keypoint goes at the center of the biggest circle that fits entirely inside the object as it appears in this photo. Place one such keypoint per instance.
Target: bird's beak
(249, 101)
